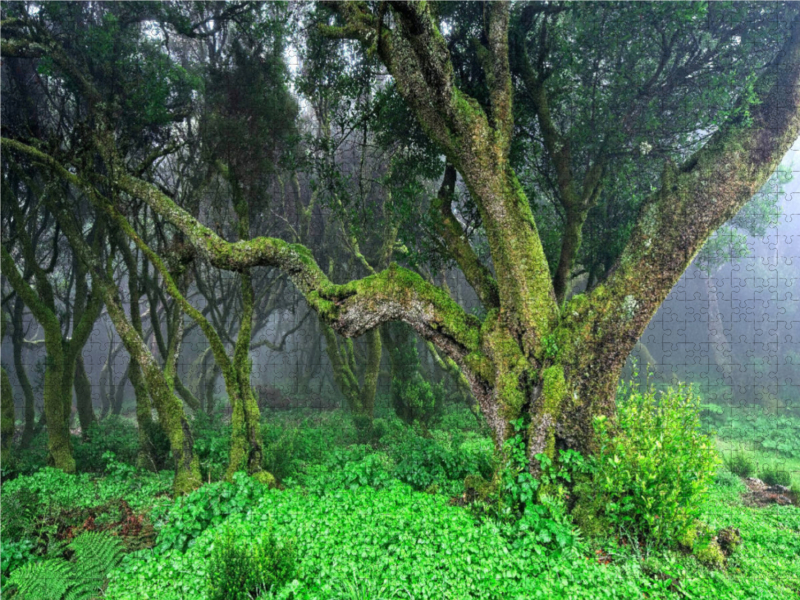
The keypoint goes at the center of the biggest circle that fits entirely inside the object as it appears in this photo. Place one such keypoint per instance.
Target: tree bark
(83, 396)
(17, 342)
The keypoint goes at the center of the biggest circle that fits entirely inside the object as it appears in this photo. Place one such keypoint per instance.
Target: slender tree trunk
(360, 397)
(7, 420)
(119, 391)
(22, 374)
(83, 396)
(246, 445)
(720, 346)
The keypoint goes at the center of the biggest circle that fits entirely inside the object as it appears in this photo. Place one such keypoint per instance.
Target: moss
(265, 478)
(711, 555)
(479, 364)
(510, 367)
(477, 488)
(689, 538)
(587, 512)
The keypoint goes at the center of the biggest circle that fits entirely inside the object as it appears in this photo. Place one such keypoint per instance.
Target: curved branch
(395, 294)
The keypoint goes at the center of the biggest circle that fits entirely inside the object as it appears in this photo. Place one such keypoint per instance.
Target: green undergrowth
(40, 510)
(410, 514)
(396, 542)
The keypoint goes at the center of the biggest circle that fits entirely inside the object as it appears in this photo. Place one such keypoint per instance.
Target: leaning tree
(642, 147)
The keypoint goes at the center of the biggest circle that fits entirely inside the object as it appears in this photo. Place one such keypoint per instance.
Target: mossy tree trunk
(61, 352)
(7, 419)
(167, 405)
(7, 412)
(83, 396)
(147, 428)
(18, 341)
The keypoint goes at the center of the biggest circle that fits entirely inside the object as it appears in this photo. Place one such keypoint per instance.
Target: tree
(540, 354)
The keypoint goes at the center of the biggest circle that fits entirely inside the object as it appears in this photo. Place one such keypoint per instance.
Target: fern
(46, 580)
(82, 578)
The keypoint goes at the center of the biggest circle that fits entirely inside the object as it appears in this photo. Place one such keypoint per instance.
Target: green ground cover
(383, 520)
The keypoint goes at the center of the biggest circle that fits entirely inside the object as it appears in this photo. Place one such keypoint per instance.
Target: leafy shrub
(282, 453)
(534, 509)
(113, 434)
(423, 462)
(772, 475)
(49, 490)
(458, 417)
(727, 479)
(740, 464)
(94, 555)
(212, 444)
(651, 474)
(16, 552)
(179, 524)
(245, 569)
(17, 519)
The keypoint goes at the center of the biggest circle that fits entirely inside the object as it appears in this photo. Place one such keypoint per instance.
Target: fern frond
(94, 555)
(46, 580)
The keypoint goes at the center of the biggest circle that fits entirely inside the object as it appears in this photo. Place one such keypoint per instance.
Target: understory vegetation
(411, 513)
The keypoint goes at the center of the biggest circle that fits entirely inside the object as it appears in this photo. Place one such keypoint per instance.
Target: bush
(350, 468)
(243, 570)
(740, 464)
(423, 462)
(653, 470)
(115, 434)
(772, 475)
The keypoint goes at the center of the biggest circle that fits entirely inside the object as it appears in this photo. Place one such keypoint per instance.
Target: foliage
(241, 569)
(779, 433)
(377, 544)
(113, 434)
(444, 457)
(741, 464)
(772, 475)
(212, 444)
(36, 507)
(534, 508)
(654, 468)
(180, 524)
(93, 556)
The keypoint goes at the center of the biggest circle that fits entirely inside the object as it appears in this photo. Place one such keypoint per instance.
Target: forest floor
(376, 522)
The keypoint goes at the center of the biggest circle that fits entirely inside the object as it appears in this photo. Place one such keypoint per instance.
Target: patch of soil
(760, 494)
(135, 530)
